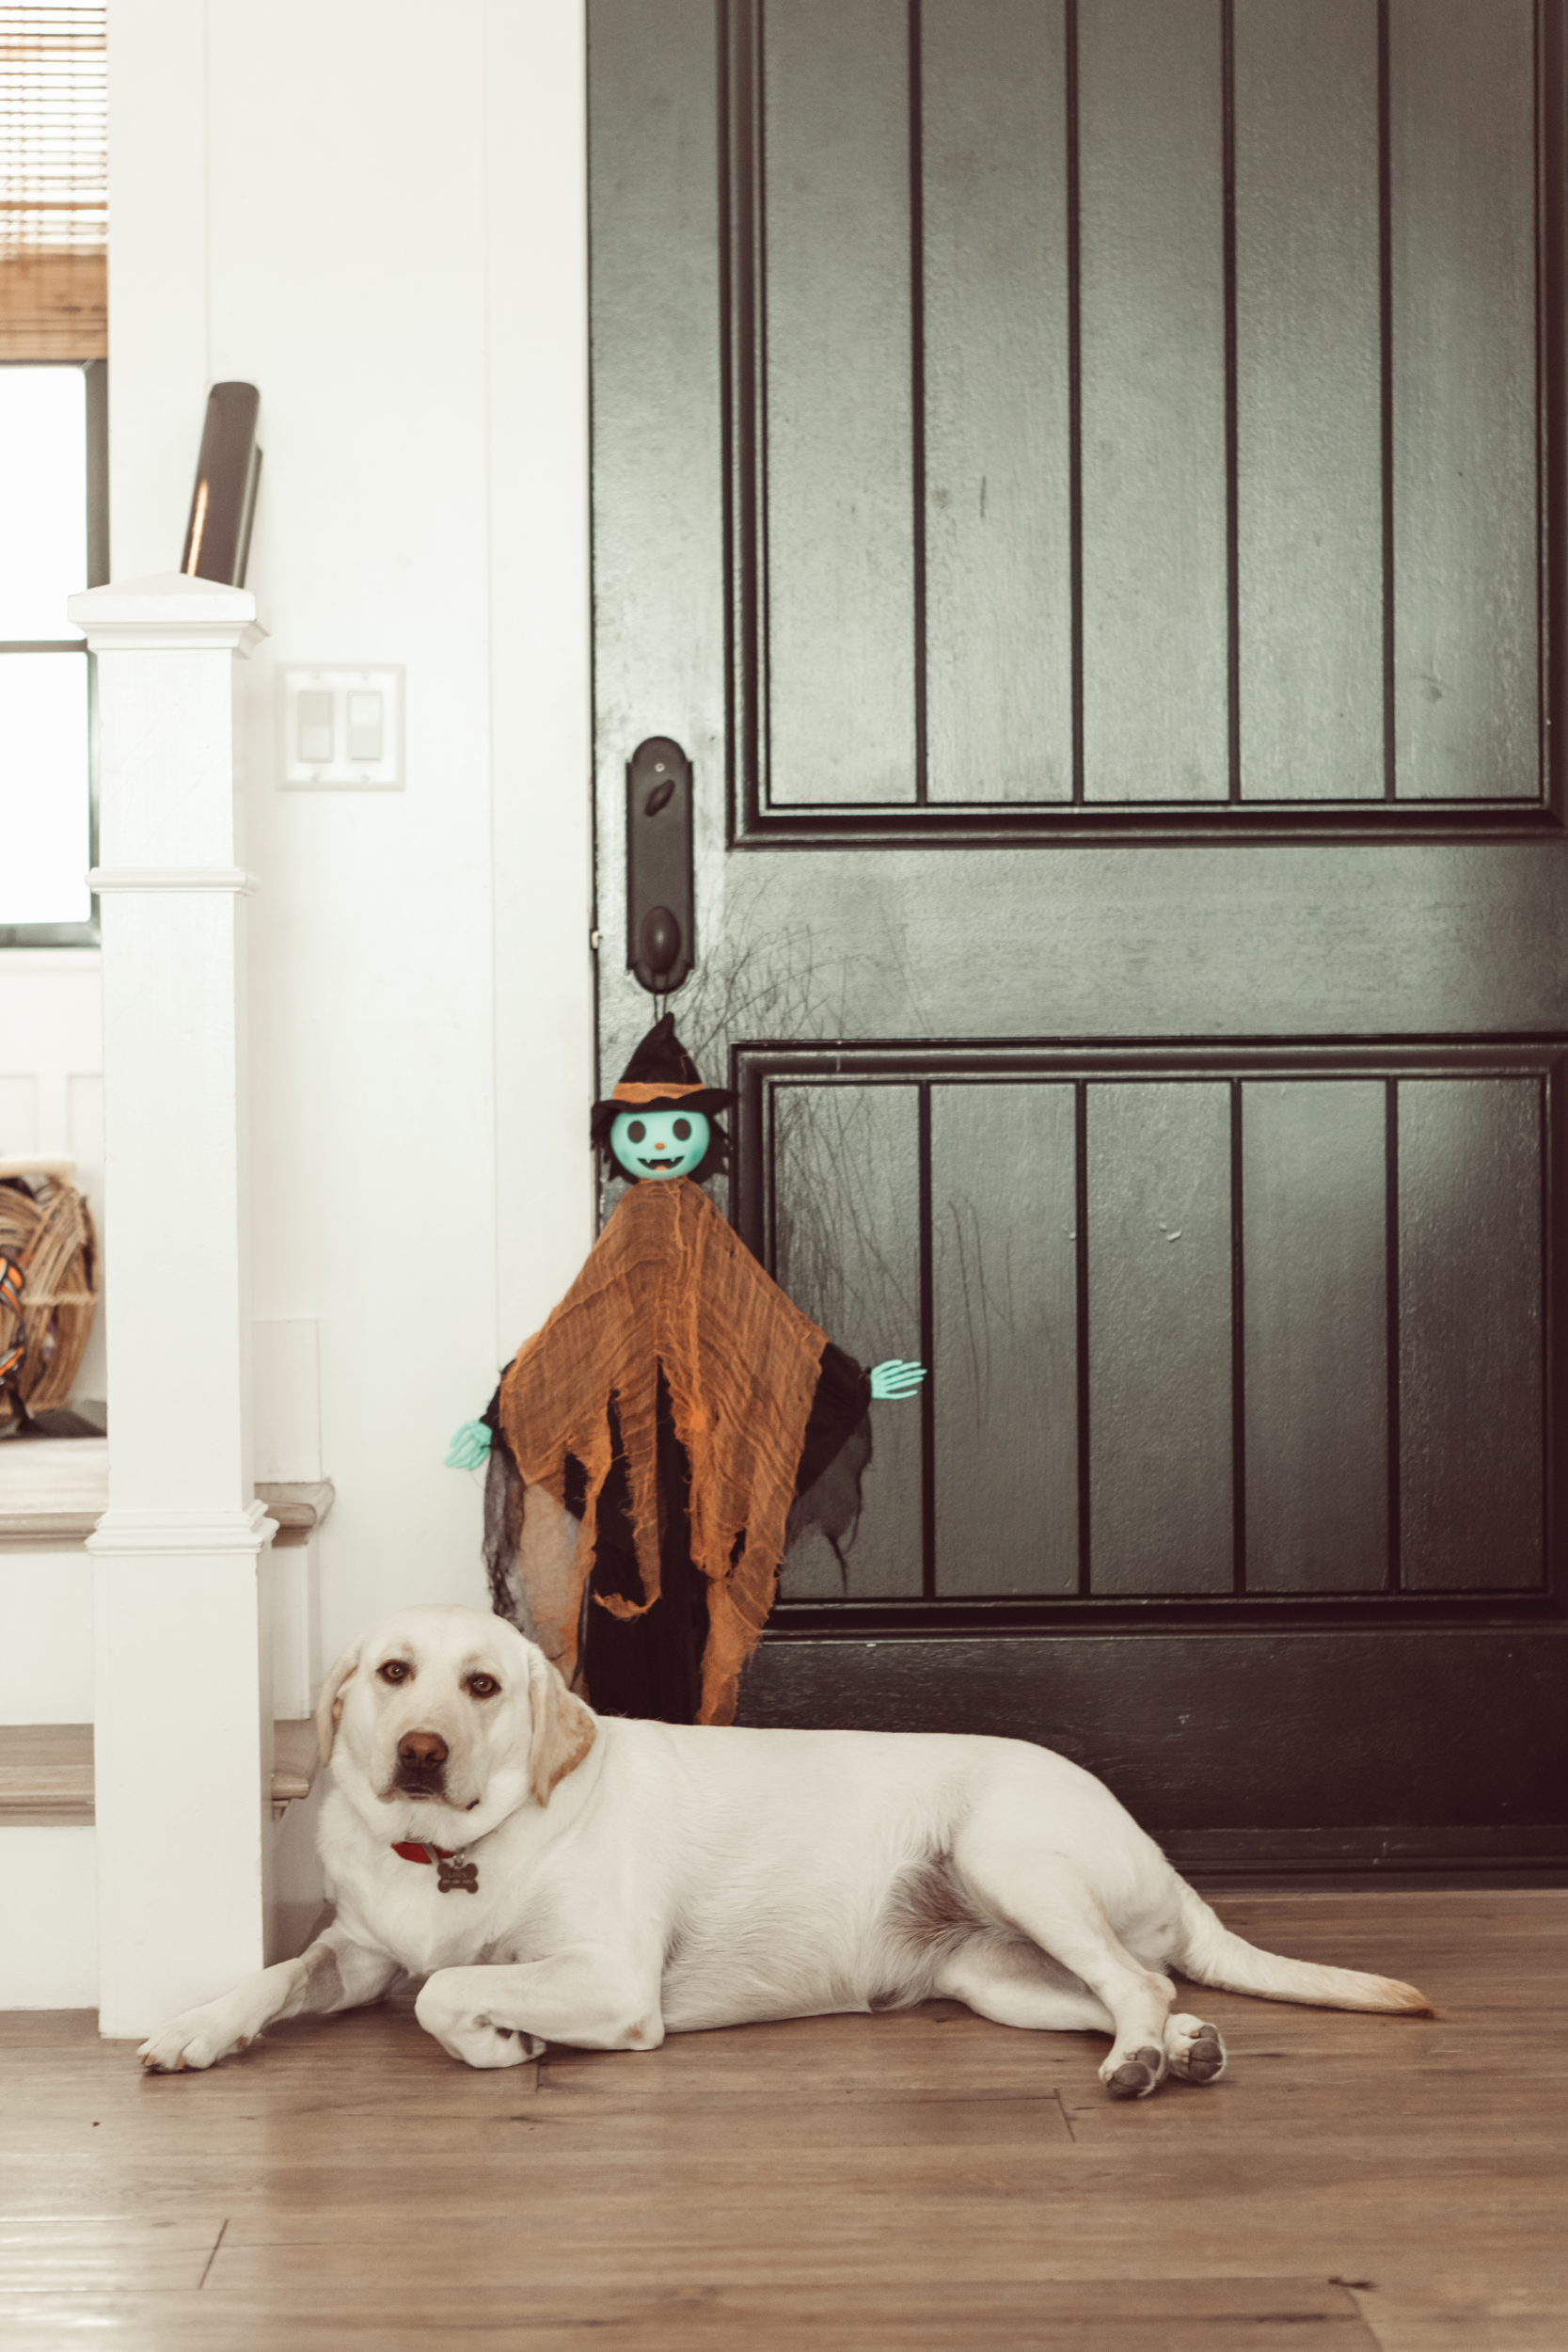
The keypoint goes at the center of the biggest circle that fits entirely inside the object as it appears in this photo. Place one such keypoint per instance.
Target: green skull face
(659, 1144)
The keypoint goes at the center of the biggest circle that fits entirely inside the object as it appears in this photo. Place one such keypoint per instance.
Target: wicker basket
(46, 1225)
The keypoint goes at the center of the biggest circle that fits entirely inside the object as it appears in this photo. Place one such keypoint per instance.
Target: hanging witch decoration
(674, 1428)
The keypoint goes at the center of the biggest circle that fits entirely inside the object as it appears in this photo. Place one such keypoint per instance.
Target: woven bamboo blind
(54, 181)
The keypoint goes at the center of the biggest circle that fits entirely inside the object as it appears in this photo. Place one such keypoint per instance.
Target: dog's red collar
(452, 1870)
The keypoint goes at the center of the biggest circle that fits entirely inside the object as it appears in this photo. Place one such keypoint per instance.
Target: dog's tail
(1214, 1955)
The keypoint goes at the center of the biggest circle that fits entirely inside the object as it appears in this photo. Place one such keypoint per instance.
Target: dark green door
(1083, 481)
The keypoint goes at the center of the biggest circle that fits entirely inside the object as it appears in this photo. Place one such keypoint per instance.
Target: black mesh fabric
(650, 1665)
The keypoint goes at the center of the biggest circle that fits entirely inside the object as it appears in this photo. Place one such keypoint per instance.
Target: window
(53, 536)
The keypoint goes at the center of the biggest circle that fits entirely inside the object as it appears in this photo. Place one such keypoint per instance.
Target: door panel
(1470, 1284)
(1003, 1216)
(1152, 344)
(1314, 1224)
(839, 471)
(995, 294)
(1160, 1291)
(849, 1235)
(1190, 344)
(1310, 682)
(1463, 158)
(1068, 472)
(1157, 1203)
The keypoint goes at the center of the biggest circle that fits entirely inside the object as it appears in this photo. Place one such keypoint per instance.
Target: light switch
(316, 730)
(364, 725)
(341, 729)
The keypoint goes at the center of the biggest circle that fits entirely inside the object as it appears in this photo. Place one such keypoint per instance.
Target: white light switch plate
(340, 730)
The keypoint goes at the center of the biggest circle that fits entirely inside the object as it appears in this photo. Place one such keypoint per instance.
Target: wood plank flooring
(848, 2185)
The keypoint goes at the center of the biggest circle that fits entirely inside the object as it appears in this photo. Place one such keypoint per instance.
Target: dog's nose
(422, 1747)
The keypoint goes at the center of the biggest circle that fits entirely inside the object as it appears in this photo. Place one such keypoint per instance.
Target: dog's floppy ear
(329, 1707)
(563, 1728)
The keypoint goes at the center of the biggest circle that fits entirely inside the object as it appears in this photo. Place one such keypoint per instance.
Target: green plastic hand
(895, 1377)
(469, 1447)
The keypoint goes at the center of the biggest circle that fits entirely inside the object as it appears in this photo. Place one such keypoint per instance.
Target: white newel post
(183, 1738)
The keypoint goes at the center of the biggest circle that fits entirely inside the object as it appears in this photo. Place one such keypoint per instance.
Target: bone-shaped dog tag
(452, 1870)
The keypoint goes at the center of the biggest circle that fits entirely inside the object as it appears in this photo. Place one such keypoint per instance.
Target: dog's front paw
(198, 2037)
(474, 2036)
(481, 2042)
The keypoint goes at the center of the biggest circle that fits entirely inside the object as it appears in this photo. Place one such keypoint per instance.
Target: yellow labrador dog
(558, 1876)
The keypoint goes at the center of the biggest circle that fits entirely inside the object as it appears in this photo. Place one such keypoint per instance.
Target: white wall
(382, 227)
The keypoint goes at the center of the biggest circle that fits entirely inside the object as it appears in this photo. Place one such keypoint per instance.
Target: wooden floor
(922, 2181)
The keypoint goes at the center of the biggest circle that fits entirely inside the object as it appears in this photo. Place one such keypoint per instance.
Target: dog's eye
(393, 1671)
(483, 1686)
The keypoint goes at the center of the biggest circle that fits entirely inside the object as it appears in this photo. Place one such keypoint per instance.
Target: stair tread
(46, 1770)
(60, 1487)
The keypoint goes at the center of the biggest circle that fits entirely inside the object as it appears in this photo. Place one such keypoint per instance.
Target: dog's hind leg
(1014, 1983)
(1047, 1897)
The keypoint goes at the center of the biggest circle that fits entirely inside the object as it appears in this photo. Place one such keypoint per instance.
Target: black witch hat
(660, 1076)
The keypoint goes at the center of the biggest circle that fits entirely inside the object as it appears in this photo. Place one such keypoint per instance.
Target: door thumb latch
(662, 940)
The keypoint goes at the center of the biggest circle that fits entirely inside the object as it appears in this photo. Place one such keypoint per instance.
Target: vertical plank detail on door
(1472, 1418)
(659, 664)
(1309, 401)
(1004, 1364)
(1462, 171)
(1156, 697)
(998, 514)
(839, 562)
(1317, 1382)
(1160, 1226)
(847, 1250)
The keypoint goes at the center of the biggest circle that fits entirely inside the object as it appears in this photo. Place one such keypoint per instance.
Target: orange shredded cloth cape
(669, 1284)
